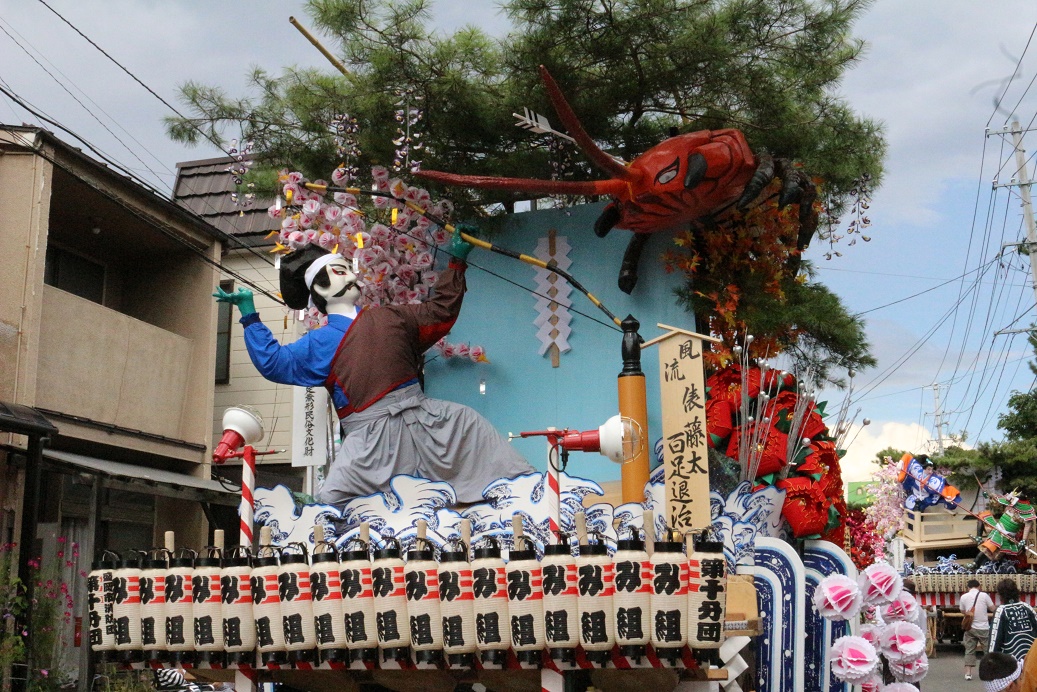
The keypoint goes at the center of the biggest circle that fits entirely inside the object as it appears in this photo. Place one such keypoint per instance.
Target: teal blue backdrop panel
(523, 391)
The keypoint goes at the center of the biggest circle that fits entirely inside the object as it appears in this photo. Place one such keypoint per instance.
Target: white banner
(309, 426)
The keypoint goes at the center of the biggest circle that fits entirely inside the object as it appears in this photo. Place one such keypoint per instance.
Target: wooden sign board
(685, 451)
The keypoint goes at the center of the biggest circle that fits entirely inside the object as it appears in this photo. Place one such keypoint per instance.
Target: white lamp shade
(244, 421)
(620, 439)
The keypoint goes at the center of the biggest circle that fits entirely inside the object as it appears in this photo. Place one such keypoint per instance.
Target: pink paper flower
(462, 350)
(311, 208)
(880, 583)
(871, 633)
(346, 199)
(274, 212)
(838, 598)
(478, 355)
(911, 671)
(338, 175)
(290, 224)
(852, 659)
(295, 177)
(901, 642)
(873, 683)
(899, 687)
(398, 188)
(902, 608)
(380, 173)
(327, 241)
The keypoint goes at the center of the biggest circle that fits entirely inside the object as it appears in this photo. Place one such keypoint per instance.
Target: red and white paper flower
(852, 659)
(837, 598)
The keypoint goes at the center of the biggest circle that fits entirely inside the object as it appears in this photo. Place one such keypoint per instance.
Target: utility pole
(938, 418)
(1022, 181)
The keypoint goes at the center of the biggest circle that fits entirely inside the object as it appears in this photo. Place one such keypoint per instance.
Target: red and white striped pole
(248, 486)
(554, 485)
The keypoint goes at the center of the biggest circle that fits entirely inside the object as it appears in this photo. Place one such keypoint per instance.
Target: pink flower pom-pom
(837, 598)
(871, 634)
(291, 192)
(296, 240)
(397, 188)
(345, 199)
(423, 261)
(338, 175)
(911, 671)
(902, 641)
(331, 213)
(327, 241)
(295, 177)
(902, 608)
(462, 350)
(852, 659)
(380, 173)
(873, 683)
(380, 202)
(290, 224)
(428, 279)
(900, 687)
(413, 194)
(440, 235)
(381, 234)
(311, 207)
(406, 274)
(440, 345)
(307, 221)
(478, 355)
(447, 351)
(880, 583)
(311, 237)
(274, 212)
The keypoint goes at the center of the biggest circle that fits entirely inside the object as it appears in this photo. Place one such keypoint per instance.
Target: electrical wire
(922, 293)
(997, 101)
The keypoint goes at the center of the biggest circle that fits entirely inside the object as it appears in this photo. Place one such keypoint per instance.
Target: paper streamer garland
(456, 602)
(596, 587)
(101, 632)
(526, 604)
(489, 575)
(421, 574)
(707, 596)
(633, 599)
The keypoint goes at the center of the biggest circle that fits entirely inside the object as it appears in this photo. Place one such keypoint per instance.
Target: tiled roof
(205, 187)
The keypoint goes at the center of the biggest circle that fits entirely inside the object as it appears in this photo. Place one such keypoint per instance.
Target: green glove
(242, 298)
(460, 247)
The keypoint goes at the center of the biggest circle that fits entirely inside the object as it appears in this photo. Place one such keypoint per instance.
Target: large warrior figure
(1009, 532)
(369, 361)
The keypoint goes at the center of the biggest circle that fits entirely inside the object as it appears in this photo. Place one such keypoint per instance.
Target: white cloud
(867, 441)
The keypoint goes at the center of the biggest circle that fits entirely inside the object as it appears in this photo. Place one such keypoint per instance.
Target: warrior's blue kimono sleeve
(305, 362)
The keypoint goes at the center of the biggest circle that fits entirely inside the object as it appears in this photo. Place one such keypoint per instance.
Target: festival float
(722, 566)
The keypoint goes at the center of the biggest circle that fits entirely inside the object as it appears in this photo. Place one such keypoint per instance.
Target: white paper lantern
(707, 596)
(328, 616)
(153, 605)
(421, 575)
(669, 609)
(101, 619)
(239, 624)
(126, 607)
(207, 611)
(633, 599)
(456, 606)
(596, 587)
(180, 604)
(489, 584)
(358, 603)
(390, 602)
(526, 604)
(293, 588)
(561, 603)
(266, 608)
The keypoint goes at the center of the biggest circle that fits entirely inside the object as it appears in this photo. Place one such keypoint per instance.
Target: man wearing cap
(369, 361)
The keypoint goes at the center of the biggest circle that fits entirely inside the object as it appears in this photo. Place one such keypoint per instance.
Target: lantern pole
(633, 404)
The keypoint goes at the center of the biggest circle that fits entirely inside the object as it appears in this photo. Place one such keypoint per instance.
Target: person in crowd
(976, 606)
(1001, 673)
(1015, 624)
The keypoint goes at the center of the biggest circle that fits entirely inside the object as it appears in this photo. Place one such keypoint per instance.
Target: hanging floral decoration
(764, 420)
(238, 169)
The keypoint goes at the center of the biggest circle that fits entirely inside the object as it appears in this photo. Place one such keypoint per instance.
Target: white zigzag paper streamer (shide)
(553, 302)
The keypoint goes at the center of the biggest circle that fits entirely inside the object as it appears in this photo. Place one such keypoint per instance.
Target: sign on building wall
(685, 451)
(309, 426)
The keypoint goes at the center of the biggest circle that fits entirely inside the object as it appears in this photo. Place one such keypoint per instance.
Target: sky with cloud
(930, 75)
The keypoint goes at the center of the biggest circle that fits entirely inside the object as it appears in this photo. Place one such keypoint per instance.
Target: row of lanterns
(372, 606)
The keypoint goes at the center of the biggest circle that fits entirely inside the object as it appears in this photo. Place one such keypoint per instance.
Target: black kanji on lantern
(628, 623)
(175, 629)
(147, 631)
(709, 631)
(592, 627)
(351, 584)
(203, 631)
(712, 569)
(388, 628)
(628, 576)
(421, 629)
(229, 589)
(556, 623)
(292, 625)
(667, 578)
(258, 589)
(487, 628)
(416, 587)
(200, 588)
(668, 625)
(319, 586)
(288, 586)
(322, 624)
(711, 588)
(356, 630)
(232, 632)
(449, 586)
(522, 633)
(264, 635)
(484, 582)
(147, 590)
(453, 631)
(591, 581)
(122, 630)
(554, 579)
(381, 581)
(710, 610)
(174, 588)
(120, 589)
(519, 588)
(96, 638)
(95, 619)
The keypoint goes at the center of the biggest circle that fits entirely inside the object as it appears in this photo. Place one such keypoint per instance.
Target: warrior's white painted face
(344, 288)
